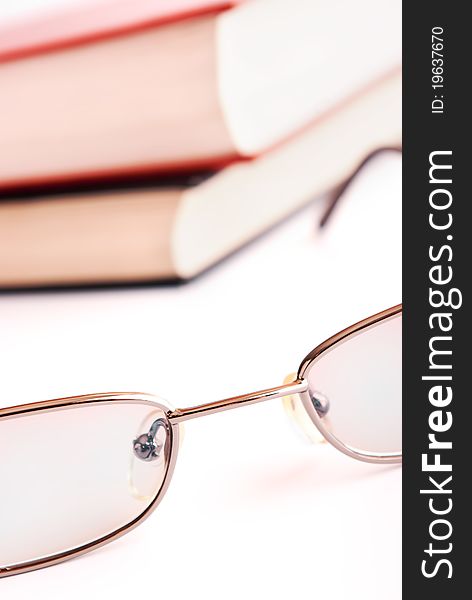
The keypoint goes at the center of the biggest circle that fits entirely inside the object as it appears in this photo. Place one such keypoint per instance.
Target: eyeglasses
(79, 472)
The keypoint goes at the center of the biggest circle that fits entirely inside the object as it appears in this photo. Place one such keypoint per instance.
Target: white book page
(311, 55)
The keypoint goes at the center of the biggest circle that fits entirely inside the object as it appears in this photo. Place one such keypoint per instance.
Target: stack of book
(146, 140)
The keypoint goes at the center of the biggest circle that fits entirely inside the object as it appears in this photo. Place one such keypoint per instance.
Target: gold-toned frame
(71, 402)
(177, 416)
(372, 457)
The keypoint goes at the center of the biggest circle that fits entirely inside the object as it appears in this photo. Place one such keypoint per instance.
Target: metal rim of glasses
(357, 328)
(175, 417)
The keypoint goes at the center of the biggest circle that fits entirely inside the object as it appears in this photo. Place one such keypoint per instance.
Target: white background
(253, 511)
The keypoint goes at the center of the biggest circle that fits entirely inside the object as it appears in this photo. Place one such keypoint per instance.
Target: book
(193, 94)
(89, 20)
(177, 230)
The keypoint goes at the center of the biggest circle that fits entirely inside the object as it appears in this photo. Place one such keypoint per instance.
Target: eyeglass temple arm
(183, 414)
(338, 192)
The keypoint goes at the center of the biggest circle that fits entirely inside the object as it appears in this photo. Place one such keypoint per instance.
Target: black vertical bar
(436, 120)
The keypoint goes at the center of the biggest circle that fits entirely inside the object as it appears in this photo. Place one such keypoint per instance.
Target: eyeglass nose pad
(298, 416)
(148, 456)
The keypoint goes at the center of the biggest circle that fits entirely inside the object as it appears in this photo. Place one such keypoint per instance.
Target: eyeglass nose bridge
(296, 386)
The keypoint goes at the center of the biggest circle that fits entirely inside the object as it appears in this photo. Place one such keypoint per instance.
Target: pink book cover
(90, 20)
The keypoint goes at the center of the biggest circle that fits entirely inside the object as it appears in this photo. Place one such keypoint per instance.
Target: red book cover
(91, 20)
(124, 96)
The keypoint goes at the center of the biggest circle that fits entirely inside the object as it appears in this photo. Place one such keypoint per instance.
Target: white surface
(252, 512)
(324, 49)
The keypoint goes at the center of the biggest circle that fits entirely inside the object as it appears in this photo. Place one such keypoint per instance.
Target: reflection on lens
(69, 476)
(355, 388)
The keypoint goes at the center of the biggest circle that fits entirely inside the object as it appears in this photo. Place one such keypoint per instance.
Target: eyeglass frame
(177, 416)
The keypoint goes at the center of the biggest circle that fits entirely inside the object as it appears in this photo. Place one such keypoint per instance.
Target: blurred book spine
(278, 99)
